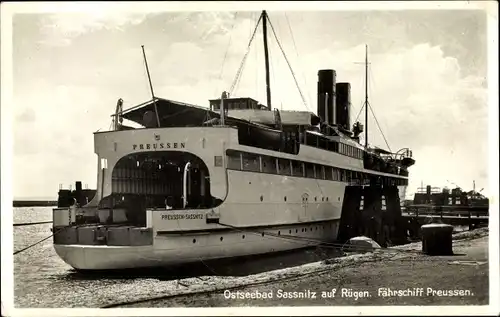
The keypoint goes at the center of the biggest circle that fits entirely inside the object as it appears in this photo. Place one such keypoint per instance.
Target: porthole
(262, 198)
(262, 233)
(326, 198)
(322, 198)
(339, 198)
(290, 231)
(243, 236)
(194, 240)
(221, 238)
(315, 198)
(296, 230)
(279, 233)
(311, 229)
(285, 198)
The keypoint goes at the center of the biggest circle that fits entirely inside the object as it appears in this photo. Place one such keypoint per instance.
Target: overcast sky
(427, 82)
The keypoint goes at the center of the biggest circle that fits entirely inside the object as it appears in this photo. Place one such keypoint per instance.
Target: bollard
(437, 239)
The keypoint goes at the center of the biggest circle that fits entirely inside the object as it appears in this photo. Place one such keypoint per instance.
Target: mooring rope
(31, 223)
(38, 242)
(323, 243)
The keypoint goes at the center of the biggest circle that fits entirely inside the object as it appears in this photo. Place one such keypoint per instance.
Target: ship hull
(173, 248)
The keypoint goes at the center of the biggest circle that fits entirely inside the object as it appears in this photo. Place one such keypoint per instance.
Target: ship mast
(366, 96)
(266, 58)
(151, 87)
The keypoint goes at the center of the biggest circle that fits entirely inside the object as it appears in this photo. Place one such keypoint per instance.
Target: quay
(420, 280)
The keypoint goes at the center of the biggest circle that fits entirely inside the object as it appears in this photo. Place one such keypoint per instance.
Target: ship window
(268, 164)
(251, 162)
(336, 147)
(284, 167)
(312, 140)
(309, 170)
(323, 143)
(320, 172)
(329, 145)
(217, 161)
(233, 160)
(328, 173)
(336, 174)
(297, 169)
(342, 175)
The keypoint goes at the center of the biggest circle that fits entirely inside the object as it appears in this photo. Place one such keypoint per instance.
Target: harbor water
(43, 280)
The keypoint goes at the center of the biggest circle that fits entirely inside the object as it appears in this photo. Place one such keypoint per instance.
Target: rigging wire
(362, 107)
(386, 143)
(240, 76)
(233, 91)
(376, 120)
(273, 77)
(228, 46)
(291, 70)
(363, 102)
(298, 58)
(240, 69)
(254, 18)
(367, 104)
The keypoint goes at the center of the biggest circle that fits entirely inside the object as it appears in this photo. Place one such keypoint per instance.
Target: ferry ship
(233, 179)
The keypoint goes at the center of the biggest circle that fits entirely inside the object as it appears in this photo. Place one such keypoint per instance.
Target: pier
(375, 211)
(34, 203)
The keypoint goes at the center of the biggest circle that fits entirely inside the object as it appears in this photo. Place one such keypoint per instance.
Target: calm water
(42, 279)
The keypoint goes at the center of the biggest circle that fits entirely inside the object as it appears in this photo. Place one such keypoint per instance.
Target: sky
(427, 82)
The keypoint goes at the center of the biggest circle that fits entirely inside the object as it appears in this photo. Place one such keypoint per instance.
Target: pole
(266, 58)
(366, 96)
(222, 109)
(151, 86)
